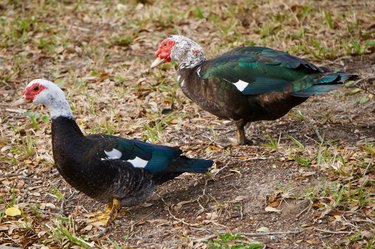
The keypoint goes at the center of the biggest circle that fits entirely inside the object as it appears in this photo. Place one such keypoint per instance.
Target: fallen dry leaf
(13, 211)
(263, 229)
(271, 209)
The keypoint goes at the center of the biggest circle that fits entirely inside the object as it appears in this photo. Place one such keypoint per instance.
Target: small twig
(367, 220)
(15, 110)
(310, 138)
(219, 170)
(319, 136)
(333, 232)
(365, 172)
(200, 196)
(80, 28)
(256, 158)
(305, 209)
(139, 221)
(346, 222)
(178, 219)
(102, 232)
(206, 238)
(241, 212)
(271, 233)
(215, 223)
(10, 175)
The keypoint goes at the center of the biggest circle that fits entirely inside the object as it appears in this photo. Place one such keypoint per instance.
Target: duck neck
(59, 108)
(68, 144)
(65, 129)
(191, 61)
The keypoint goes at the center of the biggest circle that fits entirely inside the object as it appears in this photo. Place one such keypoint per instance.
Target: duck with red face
(113, 170)
(245, 84)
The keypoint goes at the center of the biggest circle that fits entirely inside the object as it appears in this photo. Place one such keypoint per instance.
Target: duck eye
(35, 89)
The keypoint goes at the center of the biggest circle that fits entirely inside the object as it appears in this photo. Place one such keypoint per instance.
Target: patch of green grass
(169, 92)
(120, 79)
(302, 12)
(80, 83)
(17, 31)
(370, 43)
(198, 13)
(48, 44)
(369, 148)
(344, 195)
(229, 28)
(268, 29)
(13, 199)
(155, 129)
(63, 232)
(335, 195)
(322, 51)
(56, 192)
(272, 143)
(28, 145)
(10, 201)
(328, 18)
(359, 236)
(297, 114)
(232, 241)
(297, 153)
(326, 117)
(357, 47)
(329, 156)
(363, 100)
(297, 143)
(36, 210)
(2, 215)
(300, 159)
(106, 125)
(154, 132)
(35, 118)
(123, 40)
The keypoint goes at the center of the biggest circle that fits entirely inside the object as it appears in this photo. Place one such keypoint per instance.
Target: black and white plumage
(109, 169)
(245, 84)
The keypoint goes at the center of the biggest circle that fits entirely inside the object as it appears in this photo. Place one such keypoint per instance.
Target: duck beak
(157, 62)
(21, 101)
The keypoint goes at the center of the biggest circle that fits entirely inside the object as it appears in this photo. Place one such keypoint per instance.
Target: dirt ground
(307, 181)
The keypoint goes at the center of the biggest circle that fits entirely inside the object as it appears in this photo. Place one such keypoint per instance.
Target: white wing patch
(138, 162)
(198, 71)
(241, 85)
(112, 155)
(182, 82)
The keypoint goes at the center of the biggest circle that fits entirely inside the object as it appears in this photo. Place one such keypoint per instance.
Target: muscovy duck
(245, 84)
(113, 170)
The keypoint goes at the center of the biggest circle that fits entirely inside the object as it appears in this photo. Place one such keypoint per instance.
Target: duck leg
(106, 217)
(241, 136)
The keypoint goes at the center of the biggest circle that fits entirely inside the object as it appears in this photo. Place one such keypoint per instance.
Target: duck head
(186, 52)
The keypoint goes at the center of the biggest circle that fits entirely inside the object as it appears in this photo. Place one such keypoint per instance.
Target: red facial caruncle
(31, 91)
(165, 49)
